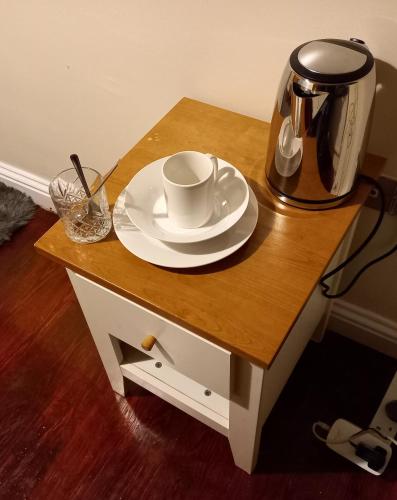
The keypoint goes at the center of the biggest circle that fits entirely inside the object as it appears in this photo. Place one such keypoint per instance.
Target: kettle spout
(296, 116)
(299, 97)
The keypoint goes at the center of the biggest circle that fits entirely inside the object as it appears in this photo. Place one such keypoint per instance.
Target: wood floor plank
(65, 435)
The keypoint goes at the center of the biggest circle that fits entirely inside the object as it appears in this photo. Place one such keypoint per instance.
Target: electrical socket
(342, 434)
(389, 186)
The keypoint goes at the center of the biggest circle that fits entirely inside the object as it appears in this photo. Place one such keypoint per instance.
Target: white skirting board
(364, 326)
(33, 185)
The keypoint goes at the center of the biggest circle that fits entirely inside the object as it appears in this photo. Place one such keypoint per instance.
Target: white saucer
(187, 254)
(146, 207)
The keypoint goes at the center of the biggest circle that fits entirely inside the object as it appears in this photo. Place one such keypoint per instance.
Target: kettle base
(309, 204)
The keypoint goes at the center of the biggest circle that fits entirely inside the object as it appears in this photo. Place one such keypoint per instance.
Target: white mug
(189, 179)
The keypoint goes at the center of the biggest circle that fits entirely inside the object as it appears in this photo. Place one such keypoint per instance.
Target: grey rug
(16, 210)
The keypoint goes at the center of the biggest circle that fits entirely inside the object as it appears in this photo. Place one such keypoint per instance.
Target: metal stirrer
(79, 169)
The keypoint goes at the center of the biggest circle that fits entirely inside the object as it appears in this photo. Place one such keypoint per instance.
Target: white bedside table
(218, 342)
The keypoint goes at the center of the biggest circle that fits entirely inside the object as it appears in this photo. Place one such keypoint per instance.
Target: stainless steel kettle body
(320, 123)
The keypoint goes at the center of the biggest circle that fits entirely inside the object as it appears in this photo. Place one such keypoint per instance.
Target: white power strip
(350, 441)
(342, 433)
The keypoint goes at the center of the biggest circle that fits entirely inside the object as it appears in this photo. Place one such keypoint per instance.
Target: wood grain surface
(248, 302)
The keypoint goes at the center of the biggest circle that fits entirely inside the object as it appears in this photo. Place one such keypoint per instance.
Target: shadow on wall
(383, 139)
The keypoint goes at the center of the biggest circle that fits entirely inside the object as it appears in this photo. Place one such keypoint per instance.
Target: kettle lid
(332, 61)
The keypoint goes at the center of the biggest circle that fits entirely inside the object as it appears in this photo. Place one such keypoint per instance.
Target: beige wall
(377, 288)
(92, 76)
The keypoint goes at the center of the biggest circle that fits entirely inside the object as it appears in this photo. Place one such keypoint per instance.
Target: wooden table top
(248, 302)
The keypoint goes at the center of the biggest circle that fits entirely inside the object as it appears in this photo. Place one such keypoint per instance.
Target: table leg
(340, 255)
(107, 346)
(245, 419)
(109, 351)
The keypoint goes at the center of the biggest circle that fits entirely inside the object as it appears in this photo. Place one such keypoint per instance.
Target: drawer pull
(148, 342)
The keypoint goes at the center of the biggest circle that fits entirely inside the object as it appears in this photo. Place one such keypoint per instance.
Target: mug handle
(214, 161)
(218, 174)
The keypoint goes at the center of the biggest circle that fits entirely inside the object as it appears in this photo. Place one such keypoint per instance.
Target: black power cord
(361, 247)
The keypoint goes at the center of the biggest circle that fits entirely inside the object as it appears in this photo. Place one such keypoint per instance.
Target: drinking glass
(86, 220)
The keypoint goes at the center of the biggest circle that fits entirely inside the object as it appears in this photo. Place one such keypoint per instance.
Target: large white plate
(187, 254)
(146, 207)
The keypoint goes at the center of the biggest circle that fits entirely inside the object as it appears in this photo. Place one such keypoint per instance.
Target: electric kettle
(320, 123)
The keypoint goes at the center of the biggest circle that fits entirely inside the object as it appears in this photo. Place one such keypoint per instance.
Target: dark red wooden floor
(65, 435)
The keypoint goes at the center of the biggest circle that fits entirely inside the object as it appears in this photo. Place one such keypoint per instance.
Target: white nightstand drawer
(177, 347)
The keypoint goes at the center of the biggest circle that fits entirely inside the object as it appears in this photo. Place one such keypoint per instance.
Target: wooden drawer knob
(148, 342)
